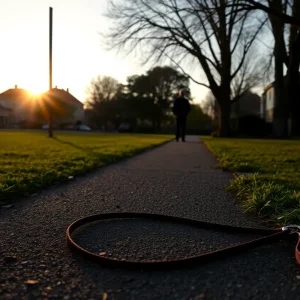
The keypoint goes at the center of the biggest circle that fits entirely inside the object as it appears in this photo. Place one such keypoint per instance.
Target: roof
(268, 87)
(16, 93)
(23, 95)
(60, 93)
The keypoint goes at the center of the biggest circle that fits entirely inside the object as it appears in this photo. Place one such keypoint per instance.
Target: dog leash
(268, 236)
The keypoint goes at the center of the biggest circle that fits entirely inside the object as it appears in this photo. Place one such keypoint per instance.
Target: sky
(78, 51)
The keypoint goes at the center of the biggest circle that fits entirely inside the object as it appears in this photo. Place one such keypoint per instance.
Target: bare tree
(251, 75)
(101, 89)
(208, 32)
(101, 95)
(267, 7)
(280, 118)
(293, 78)
(286, 52)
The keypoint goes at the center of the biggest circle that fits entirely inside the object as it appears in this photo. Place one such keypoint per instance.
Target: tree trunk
(292, 89)
(295, 115)
(293, 78)
(224, 118)
(280, 129)
(280, 119)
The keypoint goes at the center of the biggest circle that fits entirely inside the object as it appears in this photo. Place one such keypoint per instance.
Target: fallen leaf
(102, 253)
(104, 296)
(31, 282)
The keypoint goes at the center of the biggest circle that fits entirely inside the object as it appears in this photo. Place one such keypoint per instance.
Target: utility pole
(50, 120)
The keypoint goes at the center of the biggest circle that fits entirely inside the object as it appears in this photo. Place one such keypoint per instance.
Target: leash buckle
(292, 228)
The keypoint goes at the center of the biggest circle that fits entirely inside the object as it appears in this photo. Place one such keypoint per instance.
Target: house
(6, 117)
(21, 106)
(268, 103)
(77, 113)
(248, 104)
(18, 101)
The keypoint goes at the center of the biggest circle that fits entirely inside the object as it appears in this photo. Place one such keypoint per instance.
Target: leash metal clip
(292, 228)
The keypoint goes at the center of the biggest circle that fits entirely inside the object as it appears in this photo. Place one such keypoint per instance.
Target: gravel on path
(179, 179)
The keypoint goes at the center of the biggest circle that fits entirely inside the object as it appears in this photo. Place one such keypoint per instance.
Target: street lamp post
(50, 120)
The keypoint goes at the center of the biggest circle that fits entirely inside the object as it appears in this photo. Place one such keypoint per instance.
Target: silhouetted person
(181, 109)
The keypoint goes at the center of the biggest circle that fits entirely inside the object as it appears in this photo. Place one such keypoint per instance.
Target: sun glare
(36, 89)
(36, 92)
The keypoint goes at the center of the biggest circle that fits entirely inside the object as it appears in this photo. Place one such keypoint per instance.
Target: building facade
(19, 106)
(6, 117)
(268, 104)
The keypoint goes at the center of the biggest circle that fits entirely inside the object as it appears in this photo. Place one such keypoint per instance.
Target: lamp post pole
(50, 120)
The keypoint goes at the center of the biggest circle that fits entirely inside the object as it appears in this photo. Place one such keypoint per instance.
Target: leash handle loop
(268, 236)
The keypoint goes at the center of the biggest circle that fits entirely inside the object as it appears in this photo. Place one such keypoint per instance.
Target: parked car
(84, 128)
(46, 126)
(70, 127)
(125, 127)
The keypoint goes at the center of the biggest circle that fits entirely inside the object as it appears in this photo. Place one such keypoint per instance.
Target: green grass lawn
(273, 188)
(30, 160)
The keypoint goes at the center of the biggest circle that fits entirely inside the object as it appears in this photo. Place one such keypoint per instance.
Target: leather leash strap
(269, 236)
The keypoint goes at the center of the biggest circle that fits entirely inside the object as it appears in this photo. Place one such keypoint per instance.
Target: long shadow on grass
(102, 157)
(89, 151)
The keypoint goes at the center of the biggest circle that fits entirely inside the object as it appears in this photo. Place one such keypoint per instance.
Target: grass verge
(272, 187)
(31, 161)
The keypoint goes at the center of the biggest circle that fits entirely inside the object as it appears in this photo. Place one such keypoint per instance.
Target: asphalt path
(178, 179)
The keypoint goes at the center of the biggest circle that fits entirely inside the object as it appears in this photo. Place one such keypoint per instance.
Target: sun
(37, 89)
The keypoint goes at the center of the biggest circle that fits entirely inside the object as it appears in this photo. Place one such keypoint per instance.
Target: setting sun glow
(78, 52)
(36, 91)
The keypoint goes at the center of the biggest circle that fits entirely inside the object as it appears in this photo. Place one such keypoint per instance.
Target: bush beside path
(269, 185)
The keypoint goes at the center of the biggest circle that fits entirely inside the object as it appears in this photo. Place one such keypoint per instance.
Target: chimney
(67, 90)
(16, 86)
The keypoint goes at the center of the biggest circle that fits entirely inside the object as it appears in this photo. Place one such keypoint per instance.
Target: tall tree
(154, 92)
(264, 5)
(197, 118)
(102, 101)
(293, 78)
(287, 103)
(210, 32)
(280, 109)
